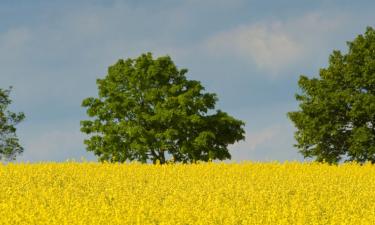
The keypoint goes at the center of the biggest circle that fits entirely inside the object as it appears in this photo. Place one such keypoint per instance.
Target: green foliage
(337, 116)
(148, 110)
(9, 146)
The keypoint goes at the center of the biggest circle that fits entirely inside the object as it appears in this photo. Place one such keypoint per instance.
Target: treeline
(147, 110)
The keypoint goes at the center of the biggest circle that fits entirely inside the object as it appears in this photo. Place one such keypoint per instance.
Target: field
(204, 193)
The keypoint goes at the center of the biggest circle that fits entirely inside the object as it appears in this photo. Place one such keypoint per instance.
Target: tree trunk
(161, 156)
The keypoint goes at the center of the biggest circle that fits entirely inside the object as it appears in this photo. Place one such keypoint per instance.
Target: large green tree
(9, 143)
(148, 110)
(336, 120)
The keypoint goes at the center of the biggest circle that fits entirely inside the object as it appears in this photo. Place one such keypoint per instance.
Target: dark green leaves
(148, 110)
(9, 146)
(337, 115)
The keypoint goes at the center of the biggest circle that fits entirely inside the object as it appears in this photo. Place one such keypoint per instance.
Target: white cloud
(269, 143)
(60, 145)
(255, 139)
(277, 45)
(267, 45)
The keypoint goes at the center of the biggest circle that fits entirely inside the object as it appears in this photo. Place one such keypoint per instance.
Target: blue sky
(250, 53)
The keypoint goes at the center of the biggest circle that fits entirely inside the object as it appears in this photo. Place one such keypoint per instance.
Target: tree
(9, 146)
(148, 110)
(336, 120)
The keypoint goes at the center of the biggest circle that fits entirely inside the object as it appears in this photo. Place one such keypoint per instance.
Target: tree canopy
(148, 110)
(9, 143)
(336, 120)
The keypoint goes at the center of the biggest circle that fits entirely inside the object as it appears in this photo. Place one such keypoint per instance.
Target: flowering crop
(203, 193)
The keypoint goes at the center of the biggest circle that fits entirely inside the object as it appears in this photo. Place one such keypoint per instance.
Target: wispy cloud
(269, 143)
(255, 139)
(267, 45)
(58, 144)
(278, 44)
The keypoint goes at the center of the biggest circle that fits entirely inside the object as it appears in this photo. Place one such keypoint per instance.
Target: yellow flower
(202, 193)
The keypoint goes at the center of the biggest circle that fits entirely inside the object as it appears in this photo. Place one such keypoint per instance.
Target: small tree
(9, 146)
(147, 109)
(337, 116)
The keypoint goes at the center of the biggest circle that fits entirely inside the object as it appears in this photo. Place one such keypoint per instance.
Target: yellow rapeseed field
(203, 193)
